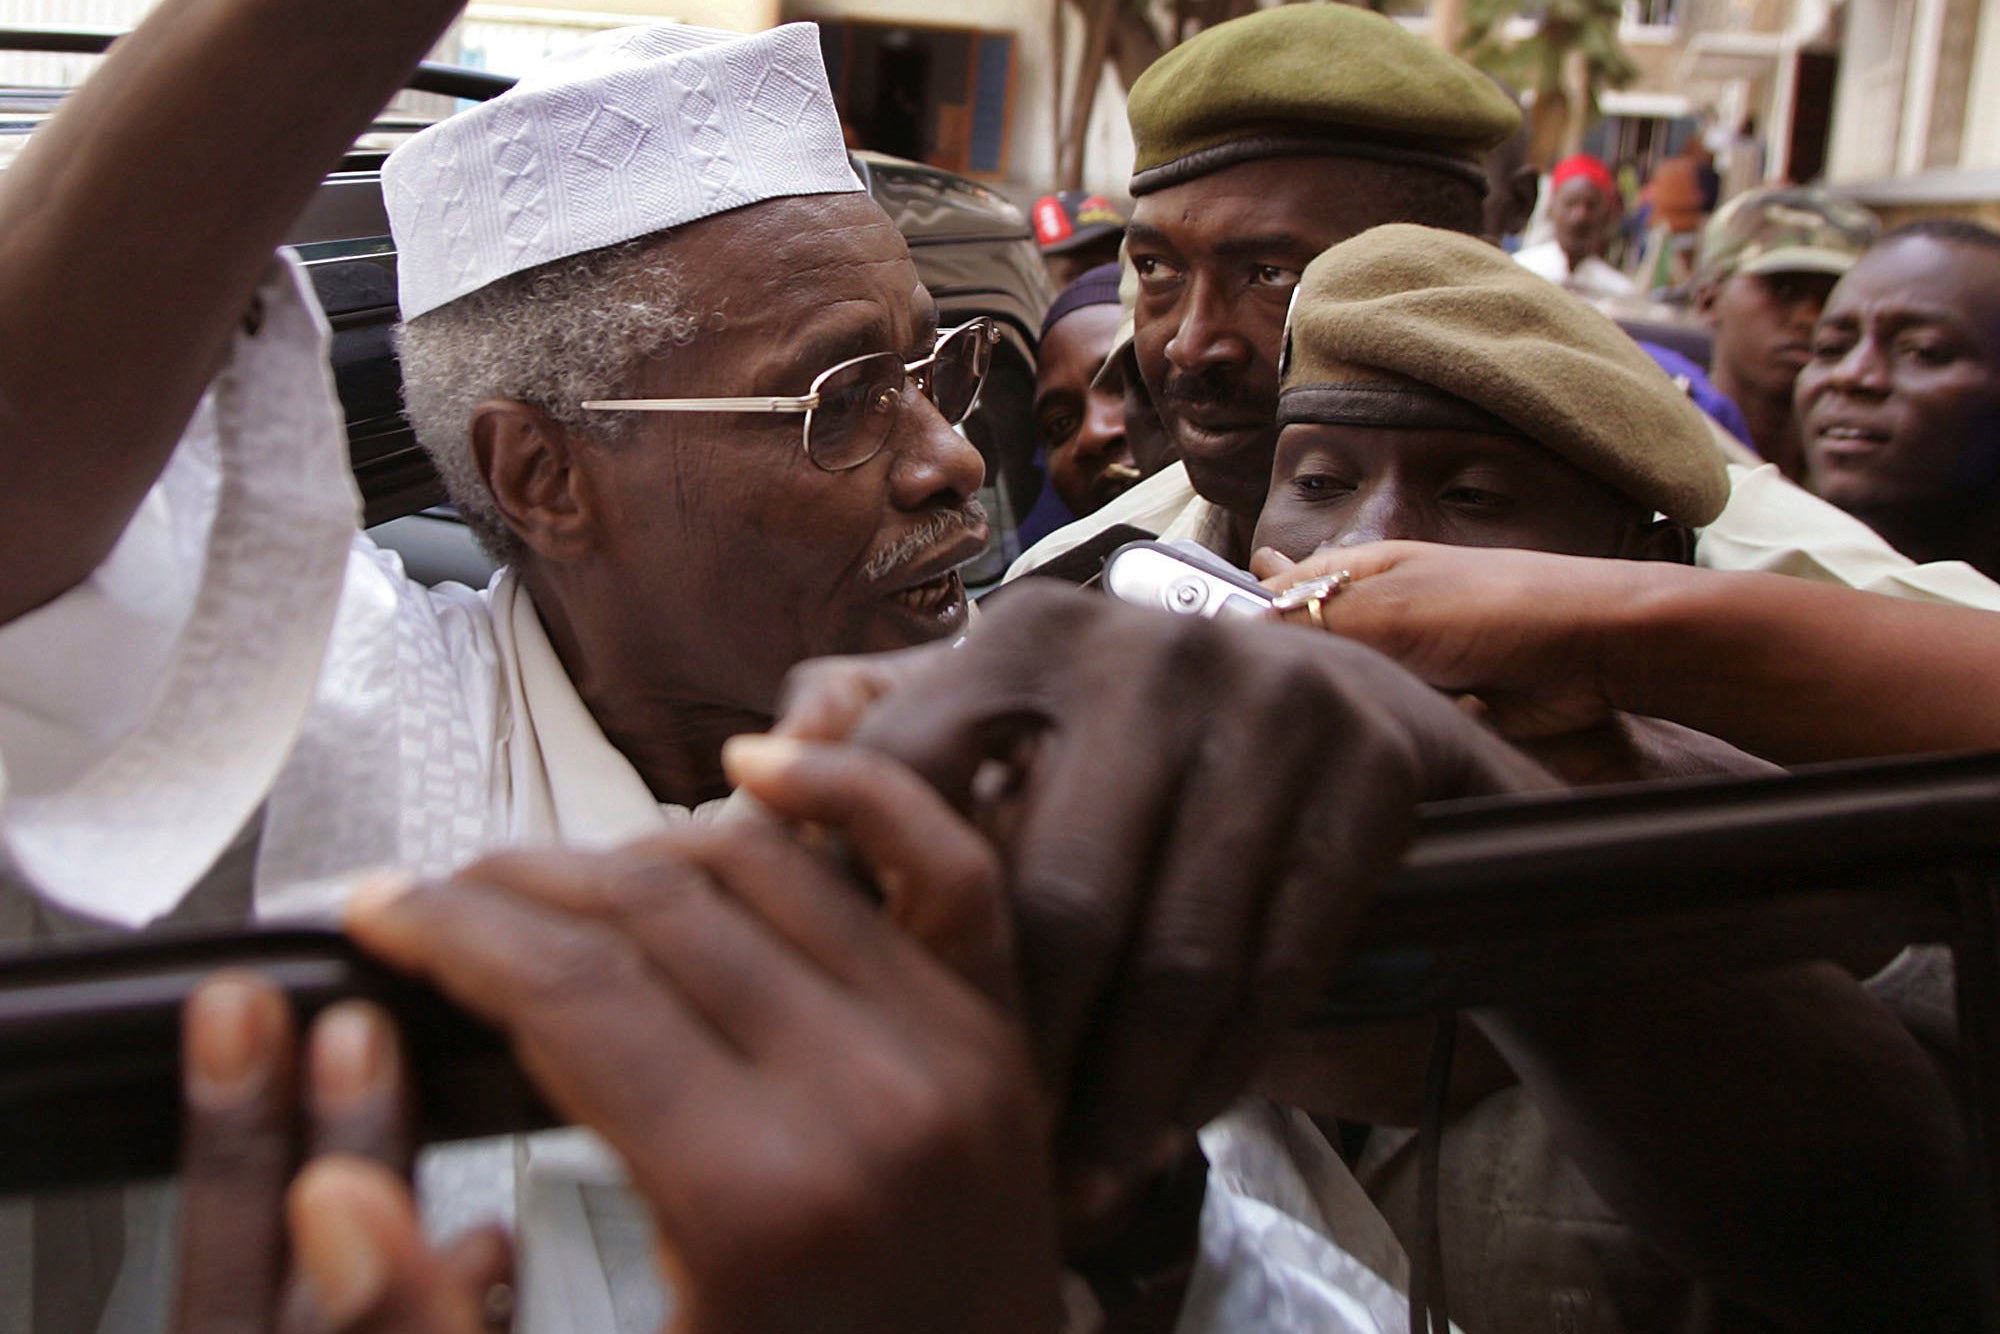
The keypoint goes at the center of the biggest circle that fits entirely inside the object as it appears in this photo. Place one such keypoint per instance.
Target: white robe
(245, 678)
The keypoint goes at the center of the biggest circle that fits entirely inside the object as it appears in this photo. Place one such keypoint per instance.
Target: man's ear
(1659, 539)
(1524, 184)
(1702, 299)
(528, 461)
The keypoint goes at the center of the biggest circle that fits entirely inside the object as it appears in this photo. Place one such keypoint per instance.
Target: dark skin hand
(330, 1246)
(1775, 665)
(836, 1126)
(1142, 971)
(1169, 928)
(203, 133)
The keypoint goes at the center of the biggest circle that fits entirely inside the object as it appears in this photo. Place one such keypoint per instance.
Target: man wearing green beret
(1263, 141)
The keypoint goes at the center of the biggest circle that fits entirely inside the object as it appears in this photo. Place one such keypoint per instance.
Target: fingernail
(1270, 558)
(378, 889)
(233, 1026)
(342, 1273)
(755, 757)
(351, 1057)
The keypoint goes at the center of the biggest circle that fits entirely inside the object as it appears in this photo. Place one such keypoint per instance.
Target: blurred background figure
(1079, 413)
(1512, 184)
(1585, 209)
(1899, 404)
(1076, 231)
(1769, 258)
(1681, 194)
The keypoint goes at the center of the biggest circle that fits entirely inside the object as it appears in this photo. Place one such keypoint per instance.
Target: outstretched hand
(823, 1117)
(1193, 818)
(1524, 632)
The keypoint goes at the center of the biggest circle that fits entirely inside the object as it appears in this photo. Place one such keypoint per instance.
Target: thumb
(1268, 562)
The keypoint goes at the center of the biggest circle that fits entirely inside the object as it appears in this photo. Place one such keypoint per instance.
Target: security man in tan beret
(1265, 140)
(1434, 392)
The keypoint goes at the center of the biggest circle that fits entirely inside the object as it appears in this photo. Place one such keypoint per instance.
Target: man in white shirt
(1584, 207)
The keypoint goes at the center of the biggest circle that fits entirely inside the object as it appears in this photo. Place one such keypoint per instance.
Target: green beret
(1413, 326)
(1310, 79)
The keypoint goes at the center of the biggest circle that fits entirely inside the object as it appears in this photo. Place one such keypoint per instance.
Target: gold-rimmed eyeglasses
(850, 408)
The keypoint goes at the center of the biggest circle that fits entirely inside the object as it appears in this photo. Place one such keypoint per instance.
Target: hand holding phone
(1184, 578)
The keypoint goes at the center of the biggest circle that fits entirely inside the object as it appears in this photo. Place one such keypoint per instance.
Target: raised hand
(1193, 818)
(833, 1129)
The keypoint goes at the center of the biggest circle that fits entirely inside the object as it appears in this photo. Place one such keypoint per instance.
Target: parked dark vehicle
(973, 249)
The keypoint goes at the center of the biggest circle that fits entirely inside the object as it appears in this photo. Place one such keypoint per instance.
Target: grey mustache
(969, 517)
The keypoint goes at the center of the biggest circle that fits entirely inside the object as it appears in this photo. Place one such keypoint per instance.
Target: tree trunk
(1100, 21)
(1134, 44)
(1548, 124)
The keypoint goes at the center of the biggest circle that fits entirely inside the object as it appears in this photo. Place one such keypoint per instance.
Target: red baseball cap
(1071, 218)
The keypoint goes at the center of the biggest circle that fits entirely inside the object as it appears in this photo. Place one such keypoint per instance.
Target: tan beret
(1412, 326)
(1307, 79)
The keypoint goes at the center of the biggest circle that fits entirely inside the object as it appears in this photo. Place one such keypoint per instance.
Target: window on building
(936, 95)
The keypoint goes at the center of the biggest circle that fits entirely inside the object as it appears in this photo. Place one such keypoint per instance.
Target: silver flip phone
(1182, 577)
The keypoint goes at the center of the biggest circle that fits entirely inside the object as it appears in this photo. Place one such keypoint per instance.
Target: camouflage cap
(1312, 79)
(1785, 229)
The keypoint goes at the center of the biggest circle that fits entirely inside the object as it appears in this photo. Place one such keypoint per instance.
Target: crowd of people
(903, 967)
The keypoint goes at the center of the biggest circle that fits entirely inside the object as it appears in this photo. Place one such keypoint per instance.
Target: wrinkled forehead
(1314, 202)
(1300, 440)
(1579, 187)
(775, 261)
(1924, 275)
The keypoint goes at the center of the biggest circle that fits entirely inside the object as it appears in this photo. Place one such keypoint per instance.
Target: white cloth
(1267, 1260)
(628, 133)
(1592, 278)
(1769, 524)
(246, 660)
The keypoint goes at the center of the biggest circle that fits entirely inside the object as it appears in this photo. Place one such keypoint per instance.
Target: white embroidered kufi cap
(634, 130)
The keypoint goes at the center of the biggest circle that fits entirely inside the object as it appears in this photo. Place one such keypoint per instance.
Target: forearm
(133, 229)
(1778, 1135)
(1797, 671)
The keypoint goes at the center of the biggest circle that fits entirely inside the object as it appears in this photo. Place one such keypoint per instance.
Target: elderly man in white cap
(242, 702)
(679, 373)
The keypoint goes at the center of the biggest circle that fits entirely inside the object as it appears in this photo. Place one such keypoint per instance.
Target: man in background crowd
(1769, 258)
(1076, 231)
(1899, 404)
(1585, 209)
(1269, 138)
(1079, 409)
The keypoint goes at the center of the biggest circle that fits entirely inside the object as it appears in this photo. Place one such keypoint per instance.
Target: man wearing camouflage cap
(1269, 138)
(1769, 258)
